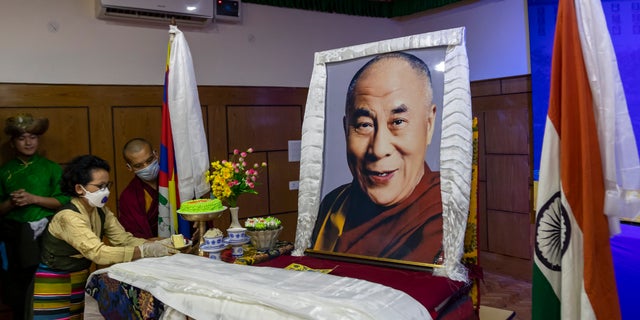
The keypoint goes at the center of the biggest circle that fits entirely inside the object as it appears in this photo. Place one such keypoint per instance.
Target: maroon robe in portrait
(138, 209)
(410, 230)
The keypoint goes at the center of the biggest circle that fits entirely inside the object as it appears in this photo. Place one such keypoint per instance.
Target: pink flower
(242, 178)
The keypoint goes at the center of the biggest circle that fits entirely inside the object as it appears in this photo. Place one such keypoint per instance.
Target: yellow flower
(229, 179)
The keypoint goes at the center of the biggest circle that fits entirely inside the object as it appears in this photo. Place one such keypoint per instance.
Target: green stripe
(545, 303)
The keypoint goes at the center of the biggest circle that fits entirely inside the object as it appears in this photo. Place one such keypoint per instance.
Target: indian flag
(587, 169)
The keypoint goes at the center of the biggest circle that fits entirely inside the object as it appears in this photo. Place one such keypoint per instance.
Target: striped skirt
(58, 294)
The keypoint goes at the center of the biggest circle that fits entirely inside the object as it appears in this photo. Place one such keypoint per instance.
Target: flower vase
(234, 217)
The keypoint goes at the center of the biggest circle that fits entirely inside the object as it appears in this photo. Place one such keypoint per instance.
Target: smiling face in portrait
(388, 129)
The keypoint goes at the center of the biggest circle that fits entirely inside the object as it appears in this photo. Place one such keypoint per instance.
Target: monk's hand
(155, 249)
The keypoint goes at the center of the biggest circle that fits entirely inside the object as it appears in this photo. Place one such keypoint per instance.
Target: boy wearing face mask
(138, 203)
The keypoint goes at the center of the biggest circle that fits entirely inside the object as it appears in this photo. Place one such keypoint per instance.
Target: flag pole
(172, 32)
(182, 171)
(167, 224)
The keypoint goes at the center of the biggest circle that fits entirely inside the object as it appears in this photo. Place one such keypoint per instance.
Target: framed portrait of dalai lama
(385, 170)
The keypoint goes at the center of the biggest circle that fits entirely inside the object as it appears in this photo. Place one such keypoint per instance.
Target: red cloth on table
(435, 293)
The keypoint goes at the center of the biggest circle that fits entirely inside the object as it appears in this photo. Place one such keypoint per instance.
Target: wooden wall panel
(101, 122)
(515, 85)
(217, 132)
(515, 241)
(135, 122)
(483, 230)
(503, 108)
(263, 127)
(281, 172)
(99, 119)
(96, 99)
(507, 131)
(129, 123)
(289, 221)
(485, 88)
(508, 183)
(68, 133)
(501, 102)
(267, 129)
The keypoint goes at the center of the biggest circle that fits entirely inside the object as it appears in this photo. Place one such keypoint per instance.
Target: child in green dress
(29, 195)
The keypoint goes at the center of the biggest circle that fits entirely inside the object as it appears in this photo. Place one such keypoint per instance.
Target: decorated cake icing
(201, 205)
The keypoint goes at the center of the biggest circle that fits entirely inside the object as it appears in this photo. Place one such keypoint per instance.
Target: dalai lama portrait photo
(392, 207)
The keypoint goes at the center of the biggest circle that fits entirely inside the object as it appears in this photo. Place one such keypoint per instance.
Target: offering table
(136, 290)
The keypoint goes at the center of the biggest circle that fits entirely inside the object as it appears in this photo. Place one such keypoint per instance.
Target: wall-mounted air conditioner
(185, 12)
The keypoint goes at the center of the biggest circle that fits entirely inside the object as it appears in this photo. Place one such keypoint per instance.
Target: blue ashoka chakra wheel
(553, 232)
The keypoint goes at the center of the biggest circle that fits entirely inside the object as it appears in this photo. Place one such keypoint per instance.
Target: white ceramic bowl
(237, 234)
(215, 241)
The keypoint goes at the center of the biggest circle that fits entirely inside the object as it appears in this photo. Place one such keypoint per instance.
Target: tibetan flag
(585, 154)
(184, 157)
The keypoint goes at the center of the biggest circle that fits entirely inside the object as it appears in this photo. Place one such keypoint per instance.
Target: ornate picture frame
(323, 164)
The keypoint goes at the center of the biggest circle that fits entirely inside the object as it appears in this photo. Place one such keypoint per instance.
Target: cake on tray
(201, 206)
(178, 241)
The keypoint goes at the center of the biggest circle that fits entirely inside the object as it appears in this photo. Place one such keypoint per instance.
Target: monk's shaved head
(135, 145)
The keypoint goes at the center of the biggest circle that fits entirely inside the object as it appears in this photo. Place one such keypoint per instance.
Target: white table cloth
(207, 289)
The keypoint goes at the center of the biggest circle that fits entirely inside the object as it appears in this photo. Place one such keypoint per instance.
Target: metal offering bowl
(202, 216)
(200, 220)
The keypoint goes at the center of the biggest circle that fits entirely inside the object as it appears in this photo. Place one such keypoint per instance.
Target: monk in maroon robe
(138, 203)
(411, 230)
(138, 209)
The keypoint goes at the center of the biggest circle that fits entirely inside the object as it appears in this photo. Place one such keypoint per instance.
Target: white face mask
(149, 173)
(97, 199)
